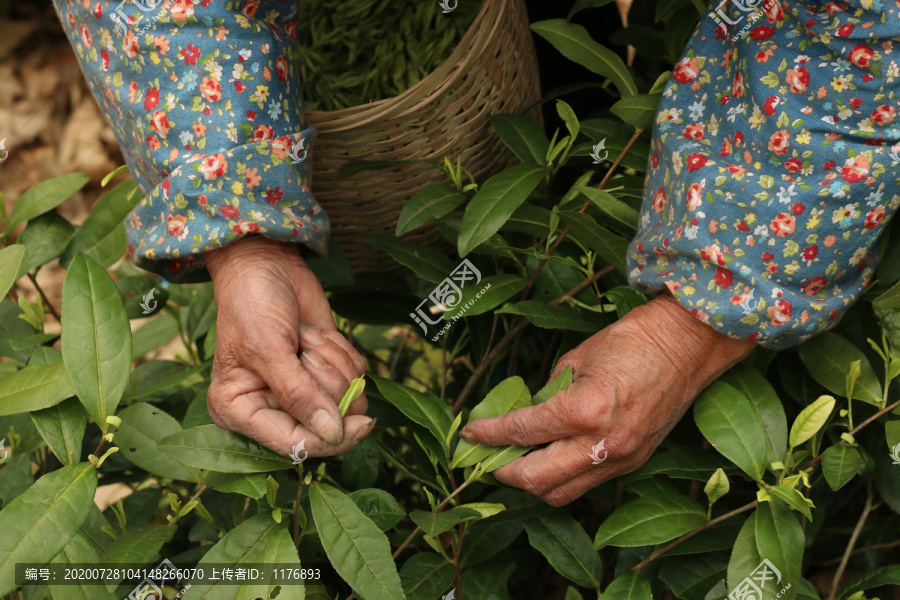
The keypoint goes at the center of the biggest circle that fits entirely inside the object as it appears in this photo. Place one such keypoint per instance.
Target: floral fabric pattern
(204, 99)
(772, 172)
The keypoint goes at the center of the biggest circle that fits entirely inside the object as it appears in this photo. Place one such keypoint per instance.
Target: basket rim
(435, 82)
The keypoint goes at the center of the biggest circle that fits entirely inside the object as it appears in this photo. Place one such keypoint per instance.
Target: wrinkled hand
(633, 381)
(271, 306)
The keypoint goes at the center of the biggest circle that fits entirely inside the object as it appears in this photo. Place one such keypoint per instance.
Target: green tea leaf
(576, 44)
(15, 477)
(79, 550)
(650, 520)
(252, 485)
(510, 394)
(611, 248)
(628, 586)
(734, 427)
(138, 439)
(487, 582)
(210, 447)
(554, 386)
(104, 221)
(579, 6)
(828, 356)
(138, 545)
(425, 409)
(382, 508)
(523, 136)
(638, 111)
(839, 465)
(871, 578)
(33, 388)
(427, 205)
(500, 288)
(44, 238)
(96, 338)
(359, 552)
(613, 207)
(792, 498)
(555, 317)
(754, 386)
(810, 420)
(566, 546)
(10, 260)
(436, 523)
(62, 427)
(39, 523)
(745, 557)
(717, 486)
(45, 196)
(356, 388)
(495, 202)
(424, 261)
(779, 539)
(426, 576)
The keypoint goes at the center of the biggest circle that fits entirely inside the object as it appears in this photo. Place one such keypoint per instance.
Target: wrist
(697, 350)
(246, 252)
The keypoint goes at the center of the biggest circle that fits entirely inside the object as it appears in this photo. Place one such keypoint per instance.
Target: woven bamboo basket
(492, 70)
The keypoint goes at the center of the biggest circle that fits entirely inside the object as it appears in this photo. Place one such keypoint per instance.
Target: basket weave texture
(492, 70)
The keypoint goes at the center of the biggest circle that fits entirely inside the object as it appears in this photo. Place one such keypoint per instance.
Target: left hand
(633, 381)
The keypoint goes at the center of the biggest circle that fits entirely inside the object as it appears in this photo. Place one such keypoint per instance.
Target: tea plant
(792, 450)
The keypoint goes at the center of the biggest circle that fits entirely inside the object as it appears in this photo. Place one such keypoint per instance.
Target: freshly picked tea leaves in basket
(353, 52)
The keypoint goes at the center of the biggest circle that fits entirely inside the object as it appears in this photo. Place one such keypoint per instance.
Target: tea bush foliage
(791, 450)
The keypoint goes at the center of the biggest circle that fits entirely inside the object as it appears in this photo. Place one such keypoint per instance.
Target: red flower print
(281, 67)
(779, 142)
(767, 256)
(695, 162)
(855, 169)
(274, 196)
(249, 8)
(845, 30)
(861, 55)
(104, 59)
(829, 165)
(246, 227)
(190, 54)
(812, 287)
(713, 255)
(213, 167)
(151, 99)
(694, 131)
(230, 212)
(811, 252)
(263, 133)
(883, 115)
(798, 78)
(793, 165)
(724, 277)
(771, 103)
(98, 10)
(798, 209)
(783, 225)
(211, 89)
(874, 217)
(686, 70)
(780, 312)
(762, 32)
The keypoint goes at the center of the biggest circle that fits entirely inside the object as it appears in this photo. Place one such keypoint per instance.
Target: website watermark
(894, 154)
(752, 587)
(4, 453)
(595, 452)
(295, 452)
(298, 153)
(446, 297)
(148, 304)
(4, 153)
(758, 8)
(123, 21)
(895, 454)
(447, 6)
(595, 152)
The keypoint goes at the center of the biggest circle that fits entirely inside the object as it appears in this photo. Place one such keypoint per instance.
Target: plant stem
(514, 329)
(49, 304)
(856, 531)
(440, 507)
(459, 542)
(674, 543)
(857, 429)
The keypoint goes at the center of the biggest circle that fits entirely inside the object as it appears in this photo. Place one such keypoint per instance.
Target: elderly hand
(633, 381)
(271, 306)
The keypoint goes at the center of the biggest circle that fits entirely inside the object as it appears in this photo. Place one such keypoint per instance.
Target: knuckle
(518, 430)
(532, 482)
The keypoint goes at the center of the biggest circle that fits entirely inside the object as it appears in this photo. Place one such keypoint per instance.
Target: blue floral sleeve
(773, 166)
(204, 99)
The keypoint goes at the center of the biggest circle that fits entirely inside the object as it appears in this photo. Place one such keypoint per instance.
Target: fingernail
(315, 359)
(367, 429)
(327, 427)
(310, 336)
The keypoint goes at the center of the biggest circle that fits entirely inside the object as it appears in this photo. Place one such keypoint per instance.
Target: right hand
(271, 306)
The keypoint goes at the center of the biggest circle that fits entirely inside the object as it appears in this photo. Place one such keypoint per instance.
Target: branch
(857, 429)
(674, 543)
(45, 298)
(856, 531)
(517, 326)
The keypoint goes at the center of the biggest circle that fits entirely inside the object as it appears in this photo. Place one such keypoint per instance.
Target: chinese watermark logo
(146, 305)
(295, 153)
(450, 596)
(448, 8)
(121, 18)
(751, 588)
(149, 589)
(895, 454)
(596, 450)
(595, 153)
(744, 6)
(447, 296)
(4, 153)
(295, 452)
(4, 453)
(895, 154)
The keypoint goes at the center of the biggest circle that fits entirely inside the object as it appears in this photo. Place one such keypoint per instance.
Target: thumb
(301, 396)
